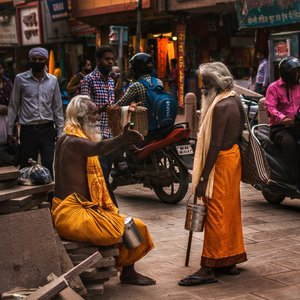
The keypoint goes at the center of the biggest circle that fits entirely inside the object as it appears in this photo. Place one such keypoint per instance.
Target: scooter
(161, 165)
(281, 185)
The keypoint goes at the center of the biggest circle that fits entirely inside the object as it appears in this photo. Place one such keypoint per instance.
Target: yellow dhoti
(96, 221)
(223, 237)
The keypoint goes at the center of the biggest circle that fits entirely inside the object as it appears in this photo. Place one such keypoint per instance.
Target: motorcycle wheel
(273, 198)
(180, 183)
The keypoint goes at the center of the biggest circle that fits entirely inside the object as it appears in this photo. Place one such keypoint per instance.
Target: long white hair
(77, 117)
(217, 79)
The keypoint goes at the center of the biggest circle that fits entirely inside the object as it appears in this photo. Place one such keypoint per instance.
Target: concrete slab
(27, 250)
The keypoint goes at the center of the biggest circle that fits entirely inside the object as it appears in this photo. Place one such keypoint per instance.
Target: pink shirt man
(281, 101)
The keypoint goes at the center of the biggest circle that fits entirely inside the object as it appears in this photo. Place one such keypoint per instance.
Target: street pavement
(272, 238)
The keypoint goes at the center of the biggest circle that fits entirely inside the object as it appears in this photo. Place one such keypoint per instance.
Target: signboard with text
(266, 13)
(8, 30)
(58, 9)
(30, 25)
(180, 44)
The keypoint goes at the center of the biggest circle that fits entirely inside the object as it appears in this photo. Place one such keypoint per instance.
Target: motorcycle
(281, 185)
(161, 165)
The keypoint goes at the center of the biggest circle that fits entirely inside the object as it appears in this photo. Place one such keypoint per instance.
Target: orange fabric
(97, 187)
(78, 219)
(162, 51)
(223, 237)
(97, 221)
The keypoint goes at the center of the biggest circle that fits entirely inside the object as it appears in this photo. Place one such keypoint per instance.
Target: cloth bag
(255, 167)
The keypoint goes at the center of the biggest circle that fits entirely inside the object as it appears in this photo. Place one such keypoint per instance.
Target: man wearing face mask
(283, 108)
(100, 87)
(37, 102)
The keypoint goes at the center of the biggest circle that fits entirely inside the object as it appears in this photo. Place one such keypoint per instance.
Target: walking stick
(188, 250)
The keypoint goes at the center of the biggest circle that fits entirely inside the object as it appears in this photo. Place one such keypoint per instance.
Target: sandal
(193, 280)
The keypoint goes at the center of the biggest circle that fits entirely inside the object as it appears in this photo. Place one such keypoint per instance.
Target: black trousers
(288, 138)
(35, 140)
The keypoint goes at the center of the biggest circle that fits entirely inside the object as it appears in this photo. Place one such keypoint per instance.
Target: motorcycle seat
(176, 135)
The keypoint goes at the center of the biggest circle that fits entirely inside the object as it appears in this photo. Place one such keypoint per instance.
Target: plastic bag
(34, 175)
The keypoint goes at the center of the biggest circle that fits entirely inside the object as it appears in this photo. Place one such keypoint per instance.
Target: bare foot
(130, 276)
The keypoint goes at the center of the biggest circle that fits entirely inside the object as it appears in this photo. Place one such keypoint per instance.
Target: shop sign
(30, 25)
(181, 42)
(114, 35)
(266, 13)
(8, 30)
(58, 9)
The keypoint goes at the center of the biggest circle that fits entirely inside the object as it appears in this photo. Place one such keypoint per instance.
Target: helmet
(289, 68)
(141, 64)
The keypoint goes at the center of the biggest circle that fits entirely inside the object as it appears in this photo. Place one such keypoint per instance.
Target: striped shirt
(101, 91)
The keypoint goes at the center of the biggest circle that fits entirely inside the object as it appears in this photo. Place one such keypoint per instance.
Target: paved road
(272, 237)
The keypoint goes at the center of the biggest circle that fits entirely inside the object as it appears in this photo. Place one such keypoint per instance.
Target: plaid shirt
(5, 91)
(101, 91)
(137, 92)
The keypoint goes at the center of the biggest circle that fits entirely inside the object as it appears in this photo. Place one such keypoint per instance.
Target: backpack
(162, 106)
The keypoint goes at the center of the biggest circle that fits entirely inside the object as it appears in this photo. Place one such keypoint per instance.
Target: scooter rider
(282, 106)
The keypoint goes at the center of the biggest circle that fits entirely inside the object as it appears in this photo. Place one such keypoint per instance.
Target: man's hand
(11, 139)
(131, 136)
(287, 121)
(102, 108)
(133, 106)
(201, 188)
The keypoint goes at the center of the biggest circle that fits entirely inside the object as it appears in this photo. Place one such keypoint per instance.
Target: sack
(162, 106)
(255, 168)
(34, 175)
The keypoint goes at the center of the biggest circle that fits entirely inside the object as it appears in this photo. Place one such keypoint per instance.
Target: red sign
(80, 28)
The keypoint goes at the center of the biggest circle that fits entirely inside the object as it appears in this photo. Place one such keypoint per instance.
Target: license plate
(184, 149)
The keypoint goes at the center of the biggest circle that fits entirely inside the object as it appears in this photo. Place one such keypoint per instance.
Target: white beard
(92, 131)
(206, 102)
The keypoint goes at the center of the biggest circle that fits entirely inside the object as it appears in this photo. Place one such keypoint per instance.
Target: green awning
(267, 13)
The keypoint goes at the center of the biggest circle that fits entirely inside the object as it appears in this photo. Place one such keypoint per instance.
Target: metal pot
(195, 217)
(132, 237)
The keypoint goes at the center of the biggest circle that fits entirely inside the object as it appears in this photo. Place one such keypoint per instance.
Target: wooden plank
(109, 251)
(66, 264)
(102, 273)
(49, 290)
(88, 250)
(94, 289)
(9, 172)
(32, 203)
(8, 184)
(105, 262)
(23, 190)
(20, 201)
(65, 294)
(89, 273)
(54, 287)
(70, 245)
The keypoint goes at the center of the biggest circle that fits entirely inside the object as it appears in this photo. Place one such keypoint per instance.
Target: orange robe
(223, 237)
(96, 221)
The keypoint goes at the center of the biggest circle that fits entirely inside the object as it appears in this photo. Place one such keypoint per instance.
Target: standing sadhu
(217, 175)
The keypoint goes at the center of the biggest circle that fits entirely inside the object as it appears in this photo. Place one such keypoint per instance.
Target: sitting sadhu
(82, 208)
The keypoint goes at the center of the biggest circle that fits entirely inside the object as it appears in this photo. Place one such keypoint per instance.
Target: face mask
(37, 66)
(103, 71)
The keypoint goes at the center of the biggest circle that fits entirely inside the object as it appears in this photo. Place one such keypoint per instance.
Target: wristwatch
(202, 179)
